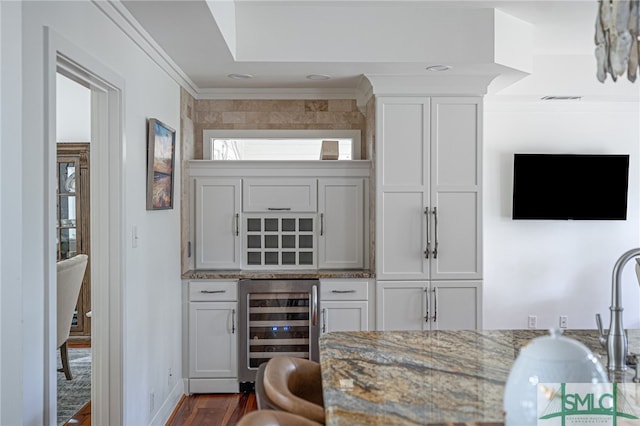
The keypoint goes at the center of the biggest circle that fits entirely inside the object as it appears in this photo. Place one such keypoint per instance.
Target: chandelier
(617, 44)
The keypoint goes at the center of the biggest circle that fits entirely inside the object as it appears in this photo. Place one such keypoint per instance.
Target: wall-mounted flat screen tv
(570, 186)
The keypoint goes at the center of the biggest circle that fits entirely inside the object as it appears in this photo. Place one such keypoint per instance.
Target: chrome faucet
(616, 341)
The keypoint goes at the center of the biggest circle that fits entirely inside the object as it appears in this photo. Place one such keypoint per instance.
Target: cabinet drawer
(207, 291)
(344, 290)
(279, 195)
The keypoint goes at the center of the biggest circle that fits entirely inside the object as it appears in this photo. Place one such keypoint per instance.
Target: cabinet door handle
(233, 321)
(435, 304)
(426, 295)
(237, 224)
(342, 291)
(324, 320)
(435, 222)
(212, 291)
(321, 224)
(279, 209)
(314, 305)
(427, 249)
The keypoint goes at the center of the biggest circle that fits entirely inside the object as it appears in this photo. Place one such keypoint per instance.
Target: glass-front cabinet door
(72, 229)
(67, 208)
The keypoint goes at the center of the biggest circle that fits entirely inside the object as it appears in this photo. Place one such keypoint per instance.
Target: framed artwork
(161, 142)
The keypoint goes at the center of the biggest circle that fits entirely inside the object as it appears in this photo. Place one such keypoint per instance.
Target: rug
(75, 393)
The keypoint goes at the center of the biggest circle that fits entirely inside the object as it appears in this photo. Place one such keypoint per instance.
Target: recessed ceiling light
(439, 68)
(318, 77)
(561, 98)
(240, 76)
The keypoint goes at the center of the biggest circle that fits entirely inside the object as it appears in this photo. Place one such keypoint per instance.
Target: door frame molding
(107, 225)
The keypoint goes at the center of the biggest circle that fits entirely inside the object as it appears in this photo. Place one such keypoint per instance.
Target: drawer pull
(343, 291)
(278, 209)
(212, 291)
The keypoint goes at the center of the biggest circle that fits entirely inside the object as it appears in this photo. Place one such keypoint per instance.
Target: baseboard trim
(169, 406)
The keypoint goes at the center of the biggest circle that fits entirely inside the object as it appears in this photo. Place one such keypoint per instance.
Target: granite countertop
(277, 274)
(420, 377)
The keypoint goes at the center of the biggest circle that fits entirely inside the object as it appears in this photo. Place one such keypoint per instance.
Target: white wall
(151, 273)
(73, 111)
(11, 292)
(553, 268)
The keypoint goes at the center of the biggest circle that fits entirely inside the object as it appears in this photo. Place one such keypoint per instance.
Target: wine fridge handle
(324, 320)
(314, 305)
(233, 321)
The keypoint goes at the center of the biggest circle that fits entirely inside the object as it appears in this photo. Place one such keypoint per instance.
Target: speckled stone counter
(416, 378)
(275, 275)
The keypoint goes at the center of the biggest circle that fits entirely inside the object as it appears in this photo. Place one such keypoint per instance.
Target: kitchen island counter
(422, 377)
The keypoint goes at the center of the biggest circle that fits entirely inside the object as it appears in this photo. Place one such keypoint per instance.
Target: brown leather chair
(295, 385)
(263, 401)
(274, 418)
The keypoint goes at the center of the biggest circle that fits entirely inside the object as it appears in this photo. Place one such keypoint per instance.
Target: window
(278, 145)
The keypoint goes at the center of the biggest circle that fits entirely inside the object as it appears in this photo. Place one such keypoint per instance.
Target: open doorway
(73, 237)
(106, 206)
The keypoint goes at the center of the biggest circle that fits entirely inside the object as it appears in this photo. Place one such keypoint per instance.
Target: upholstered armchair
(70, 275)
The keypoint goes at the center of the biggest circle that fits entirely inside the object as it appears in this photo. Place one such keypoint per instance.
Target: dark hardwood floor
(212, 409)
(201, 410)
(82, 417)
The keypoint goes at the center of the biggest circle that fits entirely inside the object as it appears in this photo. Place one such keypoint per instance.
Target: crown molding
(364, 91)
(276, 93)
(441, 85)
(124, 20)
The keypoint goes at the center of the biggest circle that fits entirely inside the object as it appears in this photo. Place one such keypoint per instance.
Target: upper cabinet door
(341, 227)
(456, 147)
(402, 193)
(218, 223)
(402, 155)
(278, 195)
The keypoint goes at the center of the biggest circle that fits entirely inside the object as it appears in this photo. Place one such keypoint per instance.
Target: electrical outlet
(564, 321)
(532, 321)
(152, 400)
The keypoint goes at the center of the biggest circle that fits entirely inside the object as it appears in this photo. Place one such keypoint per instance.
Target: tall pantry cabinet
(428, 209)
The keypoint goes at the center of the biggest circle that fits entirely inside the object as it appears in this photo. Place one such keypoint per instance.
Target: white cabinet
(279, 195)
(428, 212)
(428, 188)
(344, 305)
(424, 305)
(213, 344)
(341, 203)
(275, 215)
(218, 224)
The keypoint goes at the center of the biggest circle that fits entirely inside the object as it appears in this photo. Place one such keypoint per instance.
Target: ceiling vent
(561, 98)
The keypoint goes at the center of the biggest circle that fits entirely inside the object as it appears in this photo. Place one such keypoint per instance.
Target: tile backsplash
(331, 114)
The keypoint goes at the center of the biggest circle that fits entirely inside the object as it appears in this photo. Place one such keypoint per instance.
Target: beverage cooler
(277, 317)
